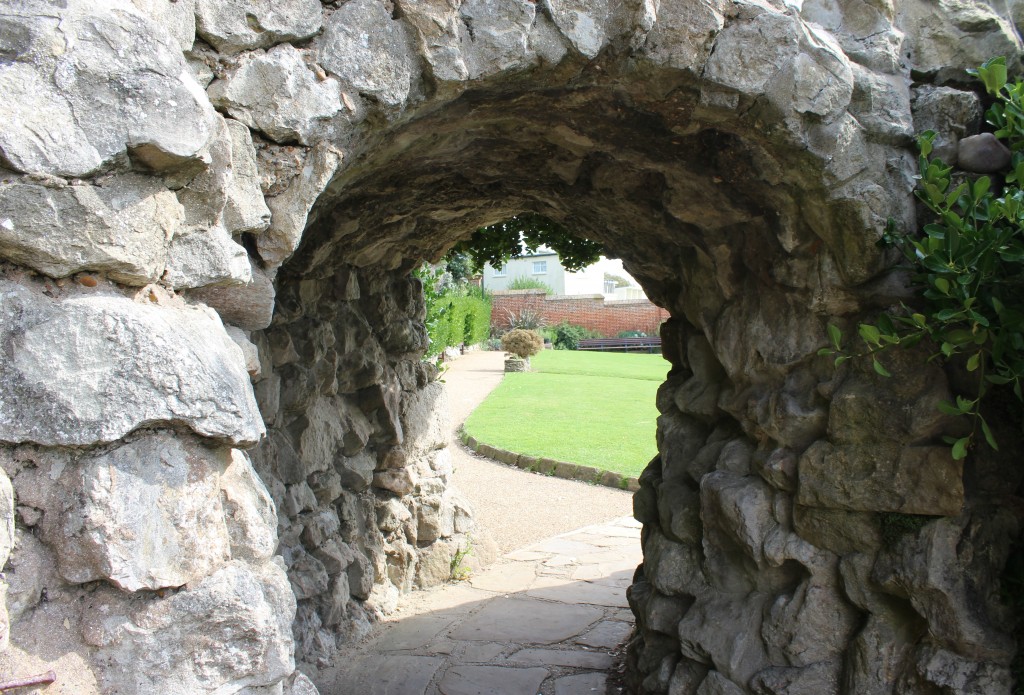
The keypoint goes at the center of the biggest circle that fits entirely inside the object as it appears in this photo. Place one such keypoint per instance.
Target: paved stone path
(543, 619)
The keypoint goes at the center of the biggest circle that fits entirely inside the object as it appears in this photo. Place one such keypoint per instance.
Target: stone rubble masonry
(593, 312)
(225, 455)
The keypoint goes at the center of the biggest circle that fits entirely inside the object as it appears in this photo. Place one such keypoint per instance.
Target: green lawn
(590, 408)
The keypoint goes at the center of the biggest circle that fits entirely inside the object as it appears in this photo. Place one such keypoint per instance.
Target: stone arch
(742, 157)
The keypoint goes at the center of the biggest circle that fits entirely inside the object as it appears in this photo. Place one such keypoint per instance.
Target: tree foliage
(524, 234)
(968, 264)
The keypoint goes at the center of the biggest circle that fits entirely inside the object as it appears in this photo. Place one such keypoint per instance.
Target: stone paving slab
(544, 620)
(527, 620)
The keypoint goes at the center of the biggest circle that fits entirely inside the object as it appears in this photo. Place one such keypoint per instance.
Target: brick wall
(590, 311)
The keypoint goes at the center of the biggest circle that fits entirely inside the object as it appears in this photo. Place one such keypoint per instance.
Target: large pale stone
(245, 210)
(278, 94)
(94, 365)
(201, 257)
(92, 81)
(369, 51)
(947, 38)
(249, 512)
(122, 228)
(249, 306)
(178, 18)
(684, 33)
(191, 641)
(146, 515)
(231, 26)
(499, 39)
(881, 477)
(291, 207)
(439, 31)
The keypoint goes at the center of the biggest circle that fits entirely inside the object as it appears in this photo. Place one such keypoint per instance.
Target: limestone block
(547, 41)
(291, 207)
(92, 82)
(6, 518)
(122, 228)
(864, 30)
(145, 515)
(178, 18)
(245, 210)
(425, 419)
(31, 569)
(881, 477)
(821, 75)
(673, 568)
(278, 94)
(587, 25)
(740, 507)
(814, 624)
(748, 53)
(940, 668)
(201, 257)
(717, 684)
(877, 652)
(249, 512)
(679, 512)
(680, 438)
(684, 33)
(435, 518)
(945, 39)
(232, 26)
(726, 631)
(93, 365)
(249, 306)
(440, 33)
(950, 113)
(249, 350)
(298, 498)
(499, 40)
(317, 528)
(822, 677)
(356, 471)
(205, 194)
(881, 104)
(837, 530)
(434, 564)
(225, 632)
(369, 51)
(938, 571)
(335, 556)
(307, 575)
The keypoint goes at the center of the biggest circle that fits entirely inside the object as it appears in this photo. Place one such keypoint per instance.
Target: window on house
(501, 272)
(540, 267)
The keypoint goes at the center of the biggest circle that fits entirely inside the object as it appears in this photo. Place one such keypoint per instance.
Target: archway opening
(723, 221)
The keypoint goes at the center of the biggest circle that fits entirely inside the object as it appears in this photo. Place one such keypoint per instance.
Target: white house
(546, 267)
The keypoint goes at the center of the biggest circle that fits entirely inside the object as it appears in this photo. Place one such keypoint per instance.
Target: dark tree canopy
(524, 234)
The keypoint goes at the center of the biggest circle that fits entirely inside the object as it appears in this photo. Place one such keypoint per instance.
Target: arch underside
(742, 158)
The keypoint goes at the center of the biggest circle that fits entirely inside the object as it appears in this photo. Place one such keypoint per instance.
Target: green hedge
(458, 318)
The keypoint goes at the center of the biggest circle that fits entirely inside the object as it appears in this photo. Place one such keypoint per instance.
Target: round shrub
(522, 342)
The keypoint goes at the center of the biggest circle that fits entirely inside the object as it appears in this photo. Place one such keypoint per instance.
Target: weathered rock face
(177, 284)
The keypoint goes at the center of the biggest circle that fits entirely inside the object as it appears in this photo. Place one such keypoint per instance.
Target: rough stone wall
(209, 211)
(356, 456)
(592, 312)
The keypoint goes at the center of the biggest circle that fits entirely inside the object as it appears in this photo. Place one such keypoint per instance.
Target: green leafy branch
(968, 264)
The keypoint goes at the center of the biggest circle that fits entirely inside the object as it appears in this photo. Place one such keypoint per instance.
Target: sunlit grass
(590, 408)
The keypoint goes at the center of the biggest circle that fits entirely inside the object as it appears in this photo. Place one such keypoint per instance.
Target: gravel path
(517, 507)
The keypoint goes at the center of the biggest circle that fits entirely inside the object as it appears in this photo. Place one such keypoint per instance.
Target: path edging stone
(546, 466)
